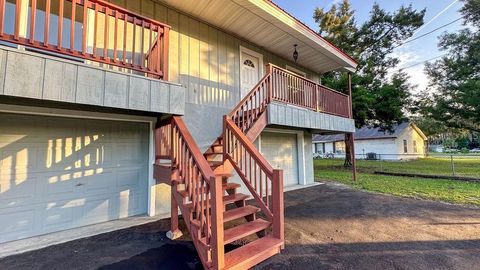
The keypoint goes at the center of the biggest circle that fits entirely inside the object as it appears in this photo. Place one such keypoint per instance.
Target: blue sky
(439, 12)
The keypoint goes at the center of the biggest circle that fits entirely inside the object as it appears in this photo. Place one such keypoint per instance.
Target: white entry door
(251, 70)
(61, 173)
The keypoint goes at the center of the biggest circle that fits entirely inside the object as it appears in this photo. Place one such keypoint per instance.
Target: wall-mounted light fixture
(295, 53)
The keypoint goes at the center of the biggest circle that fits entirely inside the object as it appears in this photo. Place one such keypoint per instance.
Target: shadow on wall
(61, 173)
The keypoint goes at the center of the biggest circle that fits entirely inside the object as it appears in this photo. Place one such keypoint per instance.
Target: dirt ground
(326, 227)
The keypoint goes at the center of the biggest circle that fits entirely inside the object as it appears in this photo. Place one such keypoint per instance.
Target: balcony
(298, 102)
(86, 52)
(91, 30)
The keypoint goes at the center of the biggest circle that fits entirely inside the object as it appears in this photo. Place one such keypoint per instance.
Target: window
(415, 147)
(249, 63)
(405, 146)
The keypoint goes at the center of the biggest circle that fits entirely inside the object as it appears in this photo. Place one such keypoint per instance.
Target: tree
(379, 97)
(456, 76)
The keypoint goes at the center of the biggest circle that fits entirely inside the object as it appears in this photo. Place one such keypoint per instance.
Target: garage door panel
(98, 183)
(16, 190)
(60, 173)
(128, 180)
(280, 149)
(57, 216)
(128, 153)
(16, 223)
(130, 203)
(98, 210)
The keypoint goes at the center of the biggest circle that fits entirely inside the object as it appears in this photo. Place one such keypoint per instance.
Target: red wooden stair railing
(119, 37)
(201, 206)
(199, 181)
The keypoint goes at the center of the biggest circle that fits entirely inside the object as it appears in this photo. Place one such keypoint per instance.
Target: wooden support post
(218, 249)
(174, 232)
(270, 83)
(166, 51)
(277, 206)
(350, 103)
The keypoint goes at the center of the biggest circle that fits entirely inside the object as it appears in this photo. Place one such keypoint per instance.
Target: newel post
(218, 250)
(270, 82)
(350, 103)
(277, 205)
(166, 42)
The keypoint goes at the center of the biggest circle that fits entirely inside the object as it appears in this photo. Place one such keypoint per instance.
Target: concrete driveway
(327, 227)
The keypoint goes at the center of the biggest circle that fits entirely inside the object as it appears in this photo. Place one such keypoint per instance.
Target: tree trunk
(348, 151)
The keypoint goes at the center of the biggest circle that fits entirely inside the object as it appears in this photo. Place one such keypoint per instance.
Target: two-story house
(111, 109)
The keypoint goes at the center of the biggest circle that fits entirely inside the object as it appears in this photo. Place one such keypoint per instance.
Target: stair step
(239, 213)
(227, 186)
(227, 199)
(212, 154)
(252, 253)
(230, 186)
(244, 230)
(215, 163)
(224, 175)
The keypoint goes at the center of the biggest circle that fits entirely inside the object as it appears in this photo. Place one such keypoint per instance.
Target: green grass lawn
(451, 191)
(464, 166)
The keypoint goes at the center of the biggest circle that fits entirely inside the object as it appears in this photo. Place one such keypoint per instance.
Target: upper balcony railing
(291, 88)
(88, 29)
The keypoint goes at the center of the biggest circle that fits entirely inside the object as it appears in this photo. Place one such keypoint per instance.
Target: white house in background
(405, 141)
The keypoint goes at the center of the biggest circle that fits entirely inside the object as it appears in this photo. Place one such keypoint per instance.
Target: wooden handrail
(303, 78)
(248, 96)
(192, 146)
(204, 217)
(153, 35)
(254, 170)
(257, 156)
(292, 88)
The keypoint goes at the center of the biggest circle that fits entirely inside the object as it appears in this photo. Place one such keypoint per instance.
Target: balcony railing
(290, 88)
(88, 29)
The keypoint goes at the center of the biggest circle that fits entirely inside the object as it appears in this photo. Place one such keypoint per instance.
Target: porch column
(350, 103)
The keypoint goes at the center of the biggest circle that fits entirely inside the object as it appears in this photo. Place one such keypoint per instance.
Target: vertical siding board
(149, 8)
(232, 94)
(194, 60)
(204, 60)
(236, 73)
(213, 67)
(222, 69)
(184, 51)
(173, 66)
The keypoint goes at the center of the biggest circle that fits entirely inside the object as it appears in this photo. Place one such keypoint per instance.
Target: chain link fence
(442, 165)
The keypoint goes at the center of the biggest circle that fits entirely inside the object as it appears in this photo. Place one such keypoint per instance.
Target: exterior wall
(207, 61)
(384, 148)
(291, 116)
(37, 76)
(411, 135)
(309, 173)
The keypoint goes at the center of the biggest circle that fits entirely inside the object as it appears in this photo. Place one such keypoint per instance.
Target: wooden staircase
(215, 212)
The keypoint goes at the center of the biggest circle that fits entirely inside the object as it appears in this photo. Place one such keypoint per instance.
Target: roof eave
(348, 63)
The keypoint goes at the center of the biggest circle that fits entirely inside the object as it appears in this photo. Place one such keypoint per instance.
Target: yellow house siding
(202, 57)
(411, 135)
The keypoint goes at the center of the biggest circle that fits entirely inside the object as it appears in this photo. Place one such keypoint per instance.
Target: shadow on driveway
(326, 227)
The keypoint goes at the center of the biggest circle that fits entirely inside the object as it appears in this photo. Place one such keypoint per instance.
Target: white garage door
(61, 173)
(281, 151)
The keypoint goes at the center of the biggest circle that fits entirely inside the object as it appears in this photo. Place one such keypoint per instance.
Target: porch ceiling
(265, 24)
